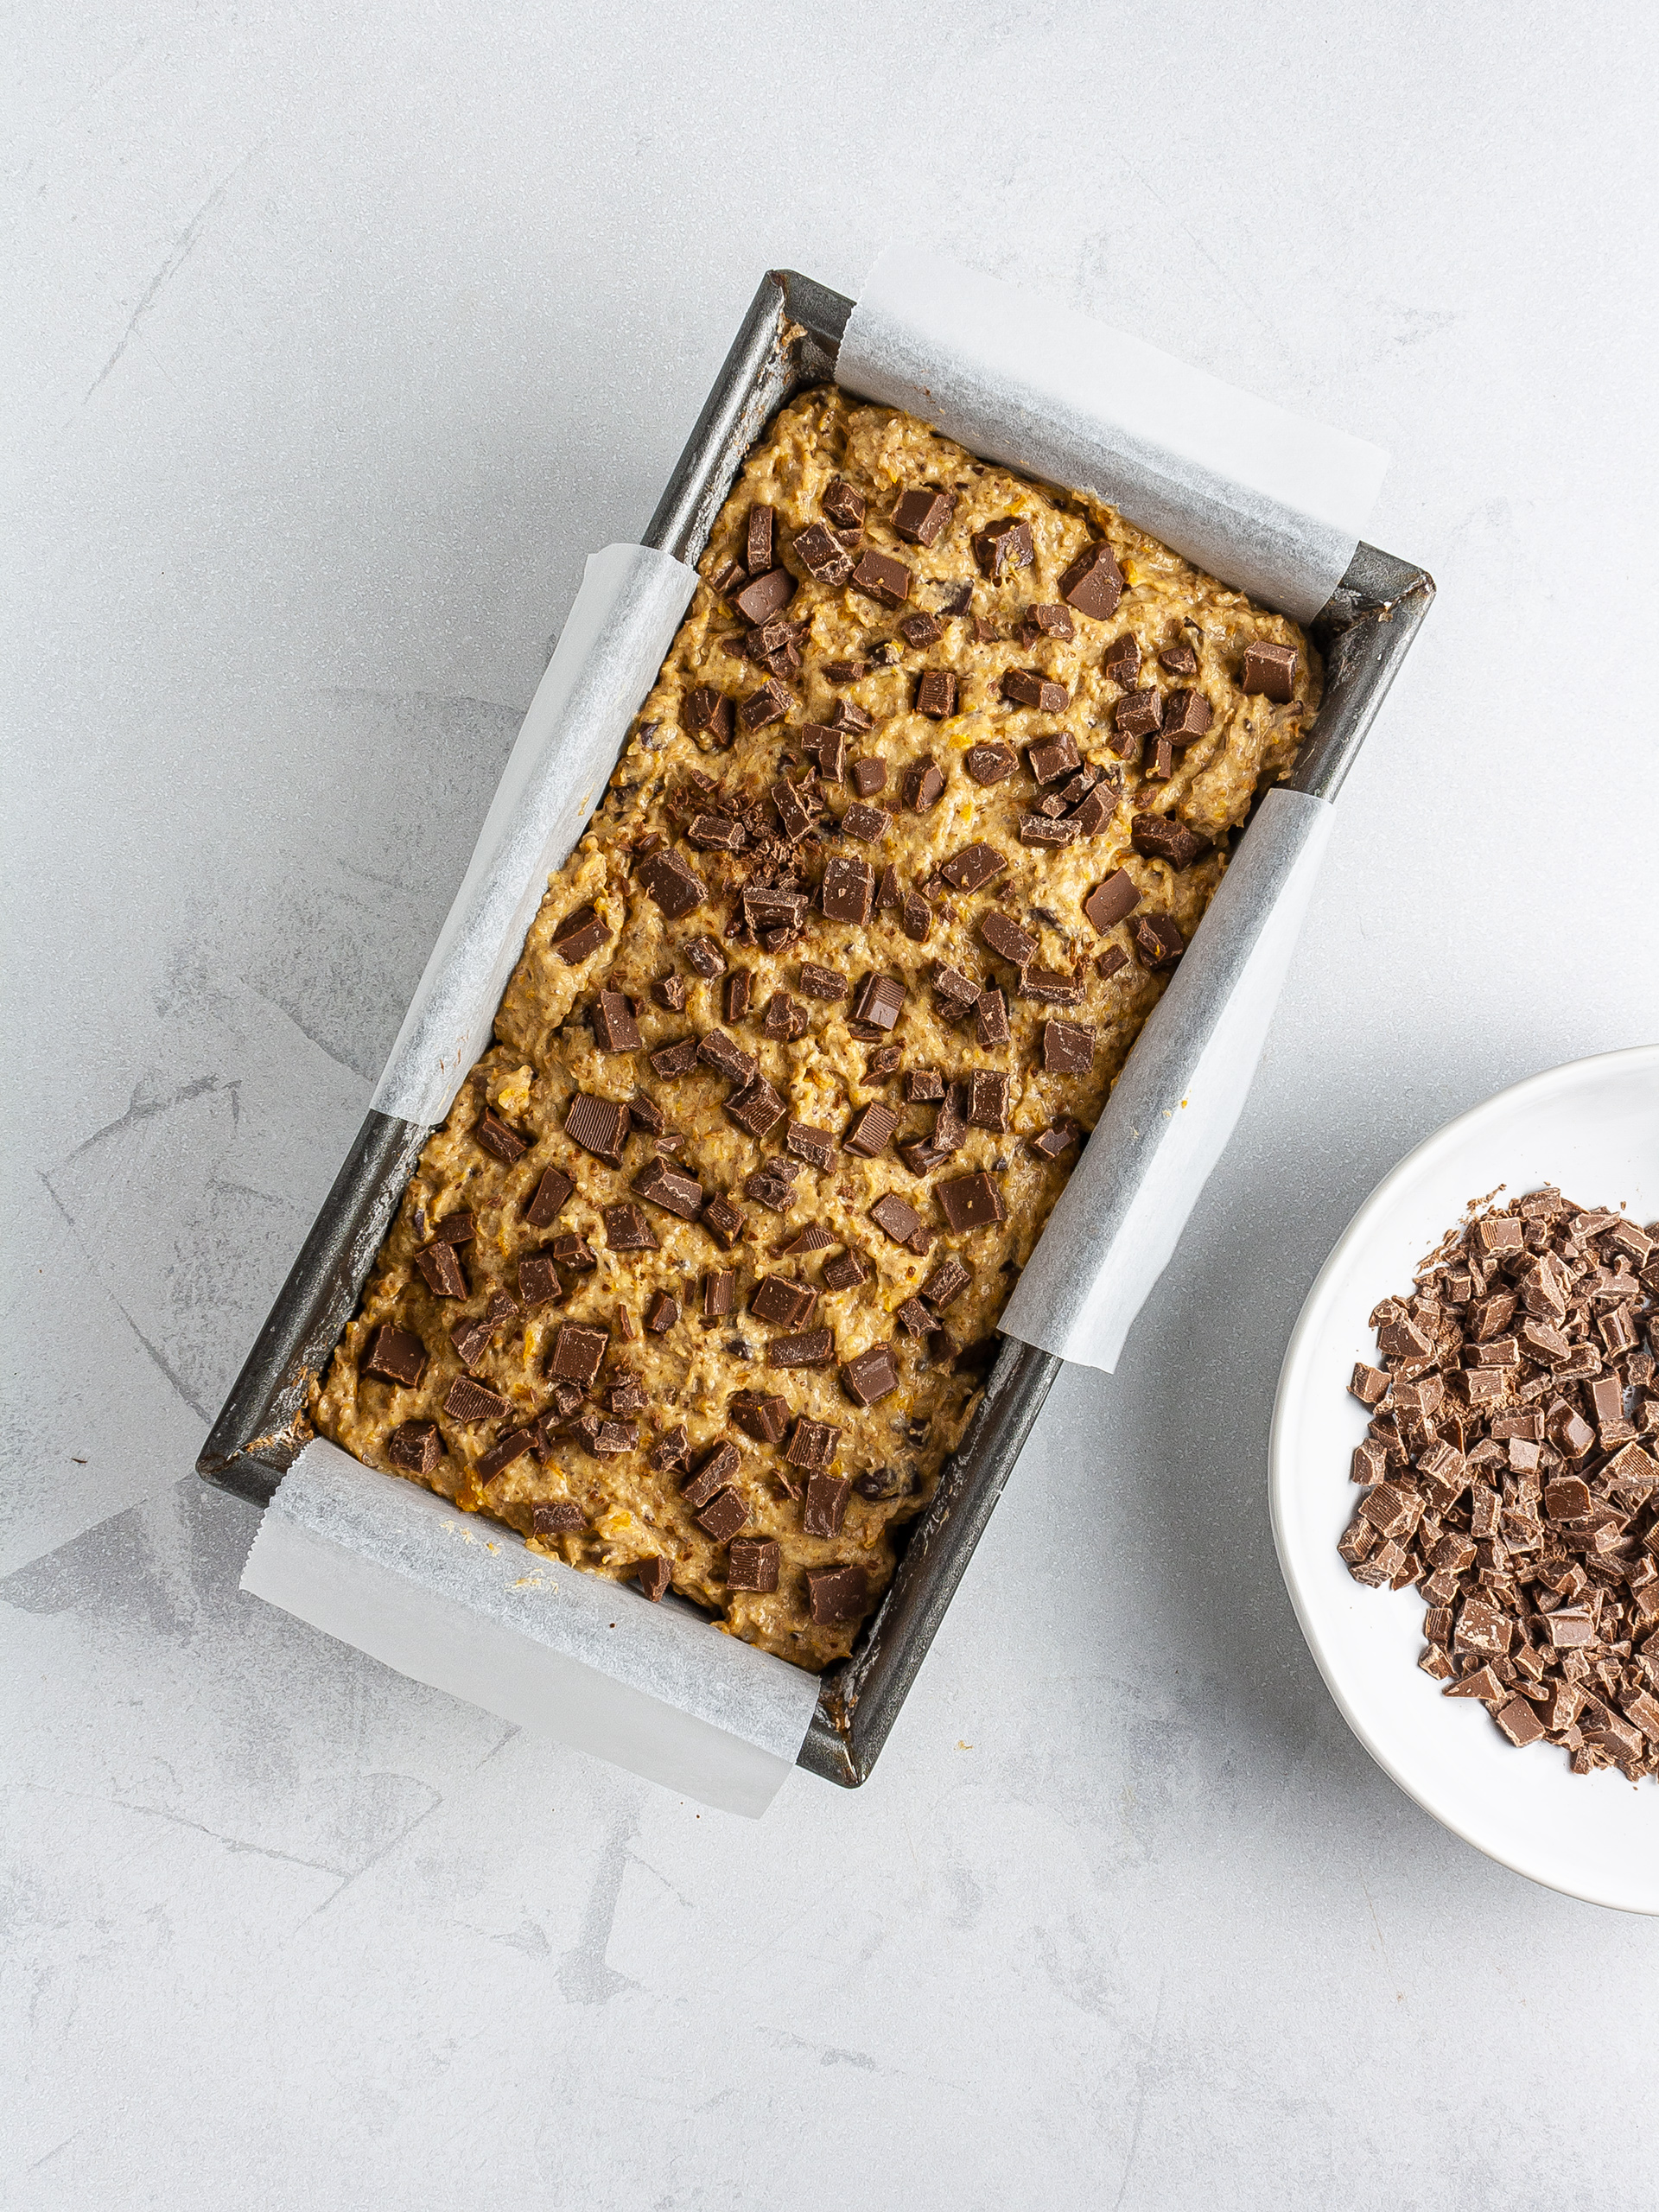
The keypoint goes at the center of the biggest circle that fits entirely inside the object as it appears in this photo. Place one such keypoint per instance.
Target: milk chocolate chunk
(1052, 985)
(1053, 1142)
(615, 1029)
(1519, 1722)
(709, 711)
(667, 878)
(751, 1563)
(767, 595)
(757, 544)
(442, 1270)
(873, 1375)
(1094, 582)
(757, 1108)
(1109, 961)
(923, 1085)
(816, 1348)
(769, 704)
(580, 933)
(1096, 809)
(991, 1018)
(826, 1504)
(822, 555)
(882, 578)
(989, 764)
(1029, 686)
(835, 1595)
(713, 1471)
(819, 982)
(502, 1454)
(827, 748)
(1269, 669)
(1180, 658)
(869, 777)
(577, 1353)
(1068, 1047)
(551, 1194)
(558, 1519)
(471, 1339)
(1160, 836)
(923, 787)
(973, 867)
(1002, 547)
(971, 1201)
(914, 1318)
(1157, 939)
(877, 1001)
(670, 1187)
(1053, 757)
(760, 1414)
(458, 1228)
(626, 1230)
(538, 1280)
(871, 1131)
(675, 1060)
(960, 991)
(844, 505)
(867, 824)
(662, 1313)
(816, 1146)
(723, 1222)
(599, 1126)
(1187, 714)
(668, 992)
(395, 1355)
(1137, 715)
(719, 1287)
(415, 1447)
(498, 1138)
(706, 956)
(1041, 829)
(890, 1213)
(988, 1100)
(921, 516)
(1007, 939)
(772, 1184)
(468, 1401)
(1111, 901)
(1121, 660)
(921, 631)
(783, 1304)
(652, 1577)
(846, 1270)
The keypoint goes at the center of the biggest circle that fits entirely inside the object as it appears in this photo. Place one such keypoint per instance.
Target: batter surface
(698, 1282)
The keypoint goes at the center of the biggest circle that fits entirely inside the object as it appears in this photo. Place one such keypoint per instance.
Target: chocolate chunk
(652, 1577)
(827, 983)
(784, 1017)
(719, 1288)
(713, 1473)
(848, 716)
(1029, 686)
(816, 1146)
(869, 777)
(835, 1595)
(867, 824)
(890, 1213)
(1094, 582)
(442, 1270)
(715, 833)
(1157, 939)
(551, 1193)
(1046, 621)
(1111, 901)
(921, 516)
(921, 631)
(1109, 961)
(614, 1027)
(502, 1454)
(1068, 1047)
(846, 1271)
(989, 764)
(813, 1238)
(826, 1504)
(760, 1414)
(716, 1050)
(783, 1304)
(822, 555)
(827, 748)
(675, 1059)
(670, 1187)
(873, 1375)
(469, 1401)
(751, 1563)
(1136, 716)
(577, 1353)
(471, 1340)
(878, 1001)
(971, 1201)
(395, 1355)
(562, 1519)
(946, 1283)
(1160, 836)
(1053, 757)
(973, 867)
(538, 1280)
(1053, 986)
(580, 933)
(415, 1447)
(723, 1222)
(769, 704)
(757, 1108)
(644, 1112)
(496, 1137)
(767, 595)
(575, 1255)
(1269, 669)
(817, 1348)
(1040, 830)
(1002, 547)
(772, 1184)
(914, 1318)
(923, 787)
(767, 910)
(599, 1126)
(458, 1228)
(882, 578)
(991, 1018)
(793, 816)
(737, 987)
(843, 504)
(988, 1100)
(1121, 660)
(871, 1131)
(1187, 714)
(961, 991)
(667, 878)
(916, 916)
(1095, 811)
(709, 711)
(888, 894)
(757, 544)
(662, 1313)
(626, 1230)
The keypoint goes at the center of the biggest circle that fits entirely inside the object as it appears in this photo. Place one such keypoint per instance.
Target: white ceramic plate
(1593, 1128)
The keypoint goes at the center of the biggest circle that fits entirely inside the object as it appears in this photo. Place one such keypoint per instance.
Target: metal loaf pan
(790, 339)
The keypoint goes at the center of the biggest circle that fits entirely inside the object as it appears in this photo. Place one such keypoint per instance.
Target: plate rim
(1420, 1156)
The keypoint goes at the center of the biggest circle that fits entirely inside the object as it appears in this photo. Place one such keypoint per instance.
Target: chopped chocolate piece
(920, 515)
(1269, 669)
(557, 1520)
(792, 813)
(882, 578)
(867, 824)
(1060, 1137)
(395, 1355)
(773, 1185)
(873, 1375)
(846, 1270)
(444, 1275)
(1096, 810)
(879, 1001)
(551, 1194)
(916, 916)
(723, 1222)
(1068, 1047)
(822, 555)
(990, 764)
(467, 1401)
(580, 933)
(914, 1318)
(1157, 939)
(719, 1287)
(972, 1201)
(713, 1472)
(767, 595)
(1094, 582)
(1053, 757)
(816, 1146)
(1052, 985)
(757, 544)
(716, 1050)
(781, 1303)
(575, 1254)
(667, 878)
(1138, 714)
(988, 1100)
(923, 1085)
(871, 1131)
(751, 1563)
(708, 711)
(615, 1029)
(1006, 939)
(626, 1230)
(817, 1348)
(827, 983)
(738, 985)
(923, 787)
(458, 1228)
(1002, 547)
(869, 777)
(1040, 830)
(1121, 660)
(1187, 714)
(675, 1059)
(1029, 686)
(1111, 901)
(827, 748)
(1162, 766)
(1110, 962)
(961, 991)
(538, 1280)
(1180, 658)
(502, 1453)
(921, 631)
(973, 867)
(599, 1126)
(843, 504)
(892, 1214)
(415, 1447)
(652, 1577)
(706, 956)
(826, 1504)
(948, 1281)
(498, 1138)
(784, 1017)
(670, 1187)
(760, 1414)
(471, 1340)
(769, 704)
(715, 833)
(577, 1353)
(1045, 621)
(991, 1018)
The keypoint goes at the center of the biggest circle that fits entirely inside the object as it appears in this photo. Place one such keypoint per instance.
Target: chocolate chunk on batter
(416, 1446)
(1094, 582)
(395, 1355)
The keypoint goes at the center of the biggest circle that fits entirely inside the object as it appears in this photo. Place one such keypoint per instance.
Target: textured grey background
(334, 338)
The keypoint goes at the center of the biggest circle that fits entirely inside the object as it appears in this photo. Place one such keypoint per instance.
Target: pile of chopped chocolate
(1507, 1476)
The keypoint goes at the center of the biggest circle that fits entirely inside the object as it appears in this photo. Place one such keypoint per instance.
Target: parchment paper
(458, 1602)
(614, 639)
(1178, 1100)
(1265, 500)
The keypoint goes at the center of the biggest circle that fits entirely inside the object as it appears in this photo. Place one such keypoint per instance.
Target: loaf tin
(789, 340)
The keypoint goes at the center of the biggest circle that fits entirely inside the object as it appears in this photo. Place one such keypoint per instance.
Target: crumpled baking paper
(456, 1601)
(1268, 502)
(614, 640)
(1178, 1100)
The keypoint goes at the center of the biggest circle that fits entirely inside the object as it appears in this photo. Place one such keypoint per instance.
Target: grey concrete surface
(334, 338)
